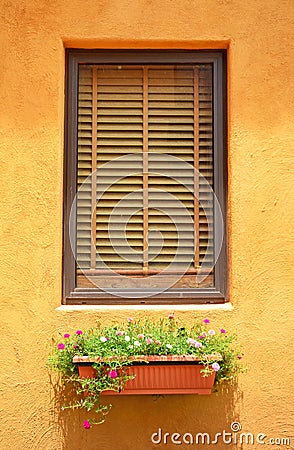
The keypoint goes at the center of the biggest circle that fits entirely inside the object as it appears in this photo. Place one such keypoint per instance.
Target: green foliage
(113, 346)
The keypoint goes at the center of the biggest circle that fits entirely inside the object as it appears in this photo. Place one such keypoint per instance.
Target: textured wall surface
(259, 38)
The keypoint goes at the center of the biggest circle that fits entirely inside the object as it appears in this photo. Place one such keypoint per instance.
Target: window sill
(171, 307)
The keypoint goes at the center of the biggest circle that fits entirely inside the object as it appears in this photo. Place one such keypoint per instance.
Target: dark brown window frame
(74, 57)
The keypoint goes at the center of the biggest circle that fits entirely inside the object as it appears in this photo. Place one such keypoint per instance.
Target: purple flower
(113, 374)
(215, 366)
(223, 330)
(87, 425)
(60, 346)
(66, 335)
(206, 321)
(79, 332)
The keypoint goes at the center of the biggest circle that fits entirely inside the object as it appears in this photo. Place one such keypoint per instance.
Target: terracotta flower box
(120, 361)
(160, 375)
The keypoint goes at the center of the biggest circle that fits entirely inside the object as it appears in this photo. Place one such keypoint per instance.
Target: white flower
(130, 346)
(211, 332)
(169, 346)
(137, 343)
(127, 338)
(215, 366)
(103, 339)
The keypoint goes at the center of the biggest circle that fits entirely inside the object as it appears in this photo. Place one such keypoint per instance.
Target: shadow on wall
(142, 422)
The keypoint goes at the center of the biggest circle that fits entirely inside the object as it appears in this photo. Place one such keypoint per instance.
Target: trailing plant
(113, 347)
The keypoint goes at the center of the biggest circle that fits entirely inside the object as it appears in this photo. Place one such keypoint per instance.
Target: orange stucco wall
(259, 37)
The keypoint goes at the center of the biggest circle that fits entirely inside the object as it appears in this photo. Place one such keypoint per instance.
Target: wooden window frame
(74, 57)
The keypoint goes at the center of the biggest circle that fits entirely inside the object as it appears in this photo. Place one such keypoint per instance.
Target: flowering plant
(113, 348)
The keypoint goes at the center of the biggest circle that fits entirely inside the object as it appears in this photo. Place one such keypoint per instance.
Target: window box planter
(157, 375)
(185, 360)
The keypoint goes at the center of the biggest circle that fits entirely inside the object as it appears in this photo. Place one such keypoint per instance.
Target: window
(145, 177)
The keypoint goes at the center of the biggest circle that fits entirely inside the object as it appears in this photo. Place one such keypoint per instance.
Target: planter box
(161, 375)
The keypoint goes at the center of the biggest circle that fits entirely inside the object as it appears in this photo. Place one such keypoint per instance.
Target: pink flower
(171, 316)
(130, 319)
(215, 366)
(223, 330)
(87, 425)
(75, 346)
(119, 333)
(206, 321)
(141, 336)
(198, 345)
(149, 341)
(60, 346)
(211, 332)
(203, 335)
(191, 341)
(66, 335)
(79, 332)
(113, 374)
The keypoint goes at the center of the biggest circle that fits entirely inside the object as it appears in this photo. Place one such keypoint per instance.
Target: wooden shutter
(119, 241)
(171, 132)
(84, 182)
(130, 119)
(205, 164)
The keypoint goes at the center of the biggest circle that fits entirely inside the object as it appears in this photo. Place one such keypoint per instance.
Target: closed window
(145, 177)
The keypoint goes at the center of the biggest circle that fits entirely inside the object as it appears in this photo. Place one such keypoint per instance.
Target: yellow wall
(259, 38)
